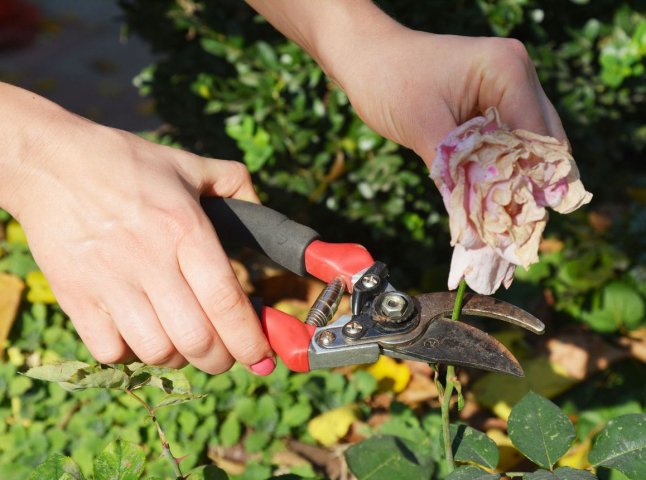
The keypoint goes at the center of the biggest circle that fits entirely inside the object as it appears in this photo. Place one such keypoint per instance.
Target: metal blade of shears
(454, 343)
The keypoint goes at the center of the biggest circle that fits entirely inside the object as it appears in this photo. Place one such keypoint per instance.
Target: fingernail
(264, 366)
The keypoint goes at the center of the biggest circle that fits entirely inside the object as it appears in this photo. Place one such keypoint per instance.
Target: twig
(162, 436)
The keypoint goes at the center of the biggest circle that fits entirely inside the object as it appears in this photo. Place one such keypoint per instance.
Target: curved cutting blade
(441, 304)
(454, 343)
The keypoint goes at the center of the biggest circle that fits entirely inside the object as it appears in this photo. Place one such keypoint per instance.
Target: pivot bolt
(393, 305)
(326, 338)
(393, 310)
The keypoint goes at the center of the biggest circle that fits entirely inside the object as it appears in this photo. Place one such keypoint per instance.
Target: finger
(187, 325)
(139, 326)
(510, 83)
(554, 124)
(534, 112)
(100, 335)
(209, 274)
(227, 178)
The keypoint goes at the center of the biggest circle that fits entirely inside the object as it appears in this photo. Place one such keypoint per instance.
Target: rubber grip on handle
(265, 230)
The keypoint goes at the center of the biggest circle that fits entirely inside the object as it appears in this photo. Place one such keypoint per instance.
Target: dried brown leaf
(11, 288)
(636, 344)
(581, 353)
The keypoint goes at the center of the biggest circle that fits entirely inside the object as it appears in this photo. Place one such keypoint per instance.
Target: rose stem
(447, 392)
(162, 436)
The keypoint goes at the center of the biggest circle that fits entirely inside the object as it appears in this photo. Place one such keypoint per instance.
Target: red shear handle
(290, 244)
(327, 261)
(289, 338)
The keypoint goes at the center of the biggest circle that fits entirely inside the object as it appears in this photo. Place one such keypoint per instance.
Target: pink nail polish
(264, 366)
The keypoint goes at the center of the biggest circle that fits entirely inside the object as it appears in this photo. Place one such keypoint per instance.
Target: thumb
(227, 178)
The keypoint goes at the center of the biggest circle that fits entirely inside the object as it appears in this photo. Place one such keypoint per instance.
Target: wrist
(351, 47)
(347, 46)
(339, 34)
(31, 128)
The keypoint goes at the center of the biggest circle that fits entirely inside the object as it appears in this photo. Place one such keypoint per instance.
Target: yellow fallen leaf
(391, 376)
(509, 456)
(15, 356)
(15, 233)
(331, 426)
(577, 456)
(500, 392)
(39, 290)
(11, 288)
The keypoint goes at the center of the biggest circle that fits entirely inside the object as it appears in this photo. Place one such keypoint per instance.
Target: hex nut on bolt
(326, 338)
(393, 305)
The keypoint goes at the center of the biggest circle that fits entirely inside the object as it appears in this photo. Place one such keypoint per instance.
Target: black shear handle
(267, 231)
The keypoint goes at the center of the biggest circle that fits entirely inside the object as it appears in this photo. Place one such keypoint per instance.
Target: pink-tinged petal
(460, 262)
(576, 196)
(509, 276)
(496, 185)
(483, 269)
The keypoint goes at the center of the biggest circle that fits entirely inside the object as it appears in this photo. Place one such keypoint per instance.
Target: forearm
(337, 33)
(30, 128)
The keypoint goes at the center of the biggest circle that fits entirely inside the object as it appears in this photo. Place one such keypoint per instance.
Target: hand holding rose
(496, 185)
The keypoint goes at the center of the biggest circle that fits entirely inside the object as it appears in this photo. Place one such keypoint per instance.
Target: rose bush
(496, 185)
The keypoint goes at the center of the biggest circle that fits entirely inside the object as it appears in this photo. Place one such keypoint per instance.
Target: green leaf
(365, 383)
(569, 473)
(18, 386)
(97, 376)
(169, 380)
(177, 398)
(75, 375)
(387, 457)
(540, 475)
(208, 472)
(256, 441)
(120, 461)
(297, 414)
(230, 430)
(471, 445)
(622, 445)
(563, 473)
(621, 305)
(57, 467)
(56, 372)
(471, 473)
(540, 430)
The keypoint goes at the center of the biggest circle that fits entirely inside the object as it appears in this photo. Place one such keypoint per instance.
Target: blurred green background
(226, 84)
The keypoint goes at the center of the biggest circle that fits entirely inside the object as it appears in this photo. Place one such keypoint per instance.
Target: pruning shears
(384, 320)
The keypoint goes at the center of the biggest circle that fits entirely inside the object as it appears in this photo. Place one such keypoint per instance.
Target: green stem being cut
(446, 392)
(162, 436)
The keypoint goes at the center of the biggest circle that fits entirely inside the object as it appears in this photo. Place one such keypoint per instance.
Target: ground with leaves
(303, 424)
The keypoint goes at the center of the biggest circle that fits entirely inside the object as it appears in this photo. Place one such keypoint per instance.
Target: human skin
(115, 224)
(415, 87)
(114, 221)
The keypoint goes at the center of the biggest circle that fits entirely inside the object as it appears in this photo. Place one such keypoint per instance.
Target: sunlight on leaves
(540, 430)
(622, 445)
(329, 427)
(387, 457)
(120, 460)
(391, 376)
(39, 289)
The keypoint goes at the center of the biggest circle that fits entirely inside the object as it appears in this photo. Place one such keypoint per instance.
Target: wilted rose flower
(496, 185)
